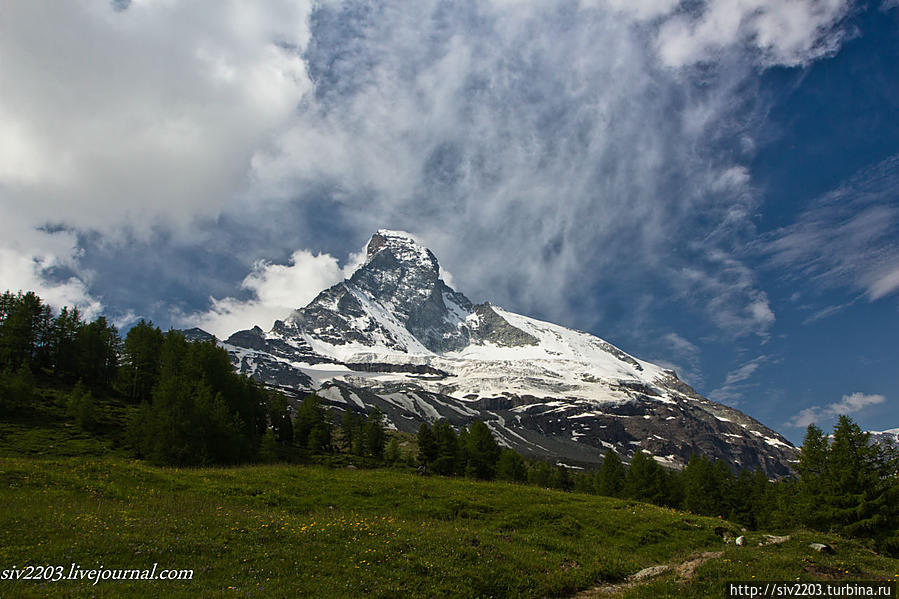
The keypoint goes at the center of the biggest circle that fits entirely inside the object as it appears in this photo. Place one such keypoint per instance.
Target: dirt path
(683, 570)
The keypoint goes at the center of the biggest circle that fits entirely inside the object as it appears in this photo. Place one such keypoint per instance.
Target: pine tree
(646, 479)
(282, 424)
(141, 360)
(539, 474)
(64, 334)
(811, 489)
(321, 435)
(701, 492)
(427, 446)
(511, 467)
(375, 434)
(447, 449)
(80, 406)
(611, 476)
(98, 353)
(392, 454)
(24, 330)
(482, 452)
(310, 417)
(862, 496)
(202, 412)
(560, 478)
(350, 429)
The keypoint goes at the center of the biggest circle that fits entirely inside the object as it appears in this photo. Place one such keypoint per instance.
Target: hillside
(308, 531)
(72, 497)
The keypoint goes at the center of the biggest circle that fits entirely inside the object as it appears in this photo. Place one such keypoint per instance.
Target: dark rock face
(196, 334)
(492, 328)
(397, 337)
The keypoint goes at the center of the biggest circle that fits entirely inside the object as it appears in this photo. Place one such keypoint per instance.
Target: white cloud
(744, 372)
(825, 312)
(144, 116)
(885, 282)
(683, 357)
(528, 146)
(729, 290)
(277, 290)
(735, 386)
(681, 345)
(783, 33)
(23, 269)
(849, 404)
(539, 148)
(847, 237)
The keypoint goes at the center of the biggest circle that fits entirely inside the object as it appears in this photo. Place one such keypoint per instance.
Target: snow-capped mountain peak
(396, 336)
(403, 247)
(891, 436)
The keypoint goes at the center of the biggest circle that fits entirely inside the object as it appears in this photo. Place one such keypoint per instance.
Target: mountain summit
(396, 336)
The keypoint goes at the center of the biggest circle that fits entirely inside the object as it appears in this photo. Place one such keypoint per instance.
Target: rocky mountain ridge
(396, 336)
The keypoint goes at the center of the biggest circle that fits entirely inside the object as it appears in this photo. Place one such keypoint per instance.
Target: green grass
(791, 561)
(312, 531)
(67, 496)
(45, 429)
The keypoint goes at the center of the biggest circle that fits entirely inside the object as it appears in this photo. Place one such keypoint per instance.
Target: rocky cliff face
(396, 336)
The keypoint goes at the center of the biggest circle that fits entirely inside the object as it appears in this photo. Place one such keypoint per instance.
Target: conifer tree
(282, 423)
(447, 449)
(539, 473)
(375, 434)
(482, 451)
(392, 453)
(24, 330)
(427, 445)
(560, 478)
(98, 353)
(311, 417)
(811, 489)
(80, 406)
(646, 480)
(140, 360)
(64, 334)
(511, 467)
(701, 492)
(611, 476)
(350, 429)
(861, 492)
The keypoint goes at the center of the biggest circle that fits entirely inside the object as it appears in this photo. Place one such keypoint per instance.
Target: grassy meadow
(286, 530)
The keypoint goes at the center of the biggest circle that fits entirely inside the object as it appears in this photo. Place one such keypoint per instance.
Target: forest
(188, 407)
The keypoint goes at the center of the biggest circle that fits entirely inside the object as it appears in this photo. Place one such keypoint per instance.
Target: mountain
(891, 435)
(396, 336)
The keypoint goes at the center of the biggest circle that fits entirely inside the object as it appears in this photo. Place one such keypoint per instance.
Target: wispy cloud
(735, 386)
(546, 151)
(785, 33)
(826, 312)
(682, 356)
(519, 163)
(846, 238)
(849, 404)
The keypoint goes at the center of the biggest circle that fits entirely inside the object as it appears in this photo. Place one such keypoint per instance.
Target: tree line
(843, 483)
(192, 408)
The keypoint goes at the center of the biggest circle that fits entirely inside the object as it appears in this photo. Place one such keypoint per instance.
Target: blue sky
(710, 184)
